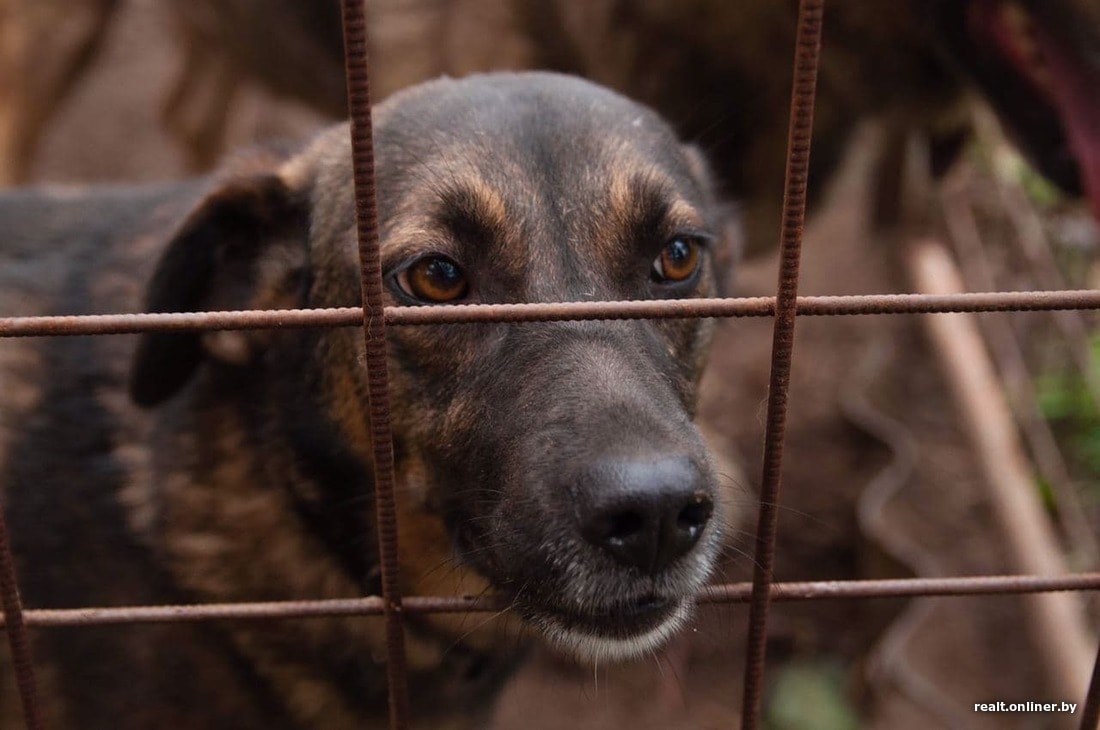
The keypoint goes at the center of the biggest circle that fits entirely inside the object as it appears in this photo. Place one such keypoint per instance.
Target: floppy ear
(731, 243)
(243, 247)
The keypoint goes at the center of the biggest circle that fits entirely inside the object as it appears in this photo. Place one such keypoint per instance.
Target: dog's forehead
(544, 124)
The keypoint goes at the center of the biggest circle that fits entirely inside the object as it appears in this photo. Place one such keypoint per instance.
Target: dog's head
(557, 461)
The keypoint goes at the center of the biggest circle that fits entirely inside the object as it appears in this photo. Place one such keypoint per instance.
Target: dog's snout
(645, 514)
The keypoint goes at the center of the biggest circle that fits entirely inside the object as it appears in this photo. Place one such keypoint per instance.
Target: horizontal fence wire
(805, 306)
(728, 593)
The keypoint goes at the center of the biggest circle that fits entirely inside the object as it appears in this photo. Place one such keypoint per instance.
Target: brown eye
(677, 262)
(434, 279)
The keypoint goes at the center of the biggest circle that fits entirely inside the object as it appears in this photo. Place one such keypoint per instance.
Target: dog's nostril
(623, 526)
(694, 517)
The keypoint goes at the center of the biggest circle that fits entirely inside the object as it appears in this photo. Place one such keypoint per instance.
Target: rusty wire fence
(374, 318)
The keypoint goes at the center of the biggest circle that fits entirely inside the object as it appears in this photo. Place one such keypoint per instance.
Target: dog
(721, 72)
(554, 463)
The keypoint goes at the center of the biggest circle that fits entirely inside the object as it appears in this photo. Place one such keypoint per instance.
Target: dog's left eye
(679, 259)
(434, 279)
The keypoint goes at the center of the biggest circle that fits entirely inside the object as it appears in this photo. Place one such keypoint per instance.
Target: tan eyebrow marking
(488, 204)
(626, 193)
(683, 214)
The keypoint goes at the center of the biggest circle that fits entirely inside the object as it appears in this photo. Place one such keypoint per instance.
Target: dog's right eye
(434, 279)
(678, 261)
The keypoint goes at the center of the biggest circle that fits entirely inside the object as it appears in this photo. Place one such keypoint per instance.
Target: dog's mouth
(1041, 70)
(621, 620)
(614, 631)
(594, 615)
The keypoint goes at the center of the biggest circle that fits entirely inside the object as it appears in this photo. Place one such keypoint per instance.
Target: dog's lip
(621, 619)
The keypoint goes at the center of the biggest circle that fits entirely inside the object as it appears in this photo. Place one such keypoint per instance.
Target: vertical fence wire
(807, 51)
(16, 630)
(374, 333)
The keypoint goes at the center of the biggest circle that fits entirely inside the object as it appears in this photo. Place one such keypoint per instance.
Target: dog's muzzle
(601, 519)
(643, 541)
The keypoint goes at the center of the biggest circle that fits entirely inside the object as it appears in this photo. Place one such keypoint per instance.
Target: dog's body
(556, 463)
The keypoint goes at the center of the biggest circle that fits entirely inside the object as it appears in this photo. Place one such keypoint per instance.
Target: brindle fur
(245, 474)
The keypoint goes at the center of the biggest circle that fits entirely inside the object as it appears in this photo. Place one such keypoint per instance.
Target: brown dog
(556, 463)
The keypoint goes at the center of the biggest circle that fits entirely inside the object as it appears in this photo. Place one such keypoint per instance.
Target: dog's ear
(731, 243)
(243, 247)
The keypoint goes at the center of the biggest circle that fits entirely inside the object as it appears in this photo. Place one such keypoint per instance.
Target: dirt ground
(969, 650)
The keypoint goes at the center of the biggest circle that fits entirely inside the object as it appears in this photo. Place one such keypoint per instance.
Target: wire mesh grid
(374, 318)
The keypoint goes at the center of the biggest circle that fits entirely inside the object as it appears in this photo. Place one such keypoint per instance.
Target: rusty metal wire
(18, 640)
(374, 334)
(807, 52)
(728, 593)
(806, 306)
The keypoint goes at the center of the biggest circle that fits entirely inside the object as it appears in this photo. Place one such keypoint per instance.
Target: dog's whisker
(467, 616)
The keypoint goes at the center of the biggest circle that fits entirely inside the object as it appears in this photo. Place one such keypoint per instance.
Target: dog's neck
(306, 497)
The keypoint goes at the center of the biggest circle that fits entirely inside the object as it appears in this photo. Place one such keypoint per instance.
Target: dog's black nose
(645, 514)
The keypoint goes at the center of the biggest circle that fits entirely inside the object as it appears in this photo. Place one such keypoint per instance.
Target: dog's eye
(678, 261)
(434, 279)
